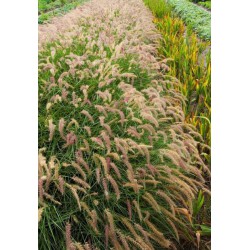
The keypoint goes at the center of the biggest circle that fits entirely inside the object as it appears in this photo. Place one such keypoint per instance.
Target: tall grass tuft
(159, 8)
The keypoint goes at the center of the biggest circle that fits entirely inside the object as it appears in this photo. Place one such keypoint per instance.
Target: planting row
(189, 61)
(47, 5)
(194, 16)
(204, 3)
(48, 9)
(119, 167)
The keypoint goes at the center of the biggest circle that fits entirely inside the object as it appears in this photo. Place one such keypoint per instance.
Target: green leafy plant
(201, 230)
(198, 203)
(194, 16)
(56, 8)
(205, 230)
(206, 4)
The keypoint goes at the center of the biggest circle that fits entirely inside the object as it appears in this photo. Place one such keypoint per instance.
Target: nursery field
(203, 3)
(124, 127)
(47, 9)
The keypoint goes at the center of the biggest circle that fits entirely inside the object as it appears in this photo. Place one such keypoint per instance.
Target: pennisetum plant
(118, 165)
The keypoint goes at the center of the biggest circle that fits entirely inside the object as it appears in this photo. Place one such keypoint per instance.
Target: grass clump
(159, 8)
(119, 168)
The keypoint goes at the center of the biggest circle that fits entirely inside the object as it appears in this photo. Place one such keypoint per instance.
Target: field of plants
(203, 3)
(124, 126)
(47, 9)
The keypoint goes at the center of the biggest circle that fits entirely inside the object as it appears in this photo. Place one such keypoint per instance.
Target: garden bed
(49, 9)
(194, 16)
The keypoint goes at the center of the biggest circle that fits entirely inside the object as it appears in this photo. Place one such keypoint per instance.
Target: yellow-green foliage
(190, 62)
(191, 65)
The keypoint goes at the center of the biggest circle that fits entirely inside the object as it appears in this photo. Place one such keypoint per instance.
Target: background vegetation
(50, 8)
(194, 16)
(204, 3)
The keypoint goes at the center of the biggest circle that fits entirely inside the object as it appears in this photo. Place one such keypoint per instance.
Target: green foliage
(198, 203)
(206, 4)
(203, 3)
(202, 215)
(43, 18)
(205, 230)
(159, 8)
(47, 5)
(55, 8)
(194, 16)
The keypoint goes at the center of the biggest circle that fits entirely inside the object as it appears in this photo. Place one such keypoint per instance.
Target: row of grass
(191, 64)
(192, 67)
(48, 9)
(189, 59)
(194, 16)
